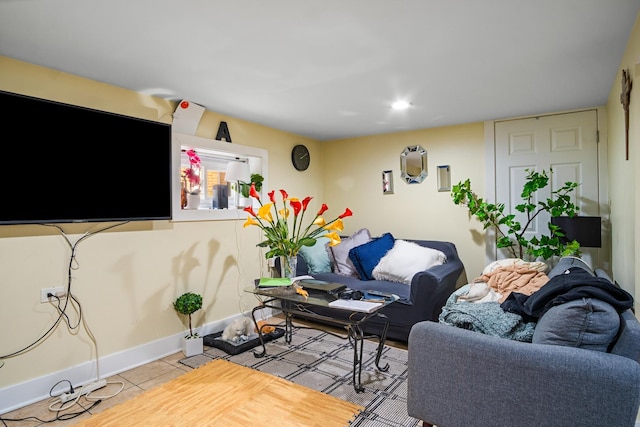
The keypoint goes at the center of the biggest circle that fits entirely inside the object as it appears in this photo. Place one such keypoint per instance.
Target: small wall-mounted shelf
(257, 158)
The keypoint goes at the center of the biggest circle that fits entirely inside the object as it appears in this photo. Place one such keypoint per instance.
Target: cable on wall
(68, 399)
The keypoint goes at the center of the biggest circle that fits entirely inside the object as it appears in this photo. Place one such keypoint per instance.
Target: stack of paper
(355, 305)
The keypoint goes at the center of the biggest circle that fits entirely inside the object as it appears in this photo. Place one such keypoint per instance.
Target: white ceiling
(329, 69)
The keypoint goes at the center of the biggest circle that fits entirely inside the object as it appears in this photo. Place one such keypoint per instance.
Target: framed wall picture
(387, 182)
(444, 178)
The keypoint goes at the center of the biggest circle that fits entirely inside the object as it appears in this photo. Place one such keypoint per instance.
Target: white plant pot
(244, 202)
(192, 346)
(193, 201)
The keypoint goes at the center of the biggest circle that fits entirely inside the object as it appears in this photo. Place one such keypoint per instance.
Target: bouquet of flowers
(285, 237)
(191, 176)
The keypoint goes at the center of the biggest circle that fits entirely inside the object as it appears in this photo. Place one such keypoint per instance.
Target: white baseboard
(19, 395)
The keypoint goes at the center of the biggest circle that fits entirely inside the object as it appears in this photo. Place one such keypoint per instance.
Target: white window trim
(258, 163)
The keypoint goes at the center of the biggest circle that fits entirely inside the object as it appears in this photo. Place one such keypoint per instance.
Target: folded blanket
(514, 278)
(485, 317)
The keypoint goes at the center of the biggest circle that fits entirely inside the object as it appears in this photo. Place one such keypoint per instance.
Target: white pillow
(406, 259)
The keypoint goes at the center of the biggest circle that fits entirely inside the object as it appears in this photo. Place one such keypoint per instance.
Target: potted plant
(284, 236)
(187, 304)
(510, 233)
(245, 188)
(191, 181)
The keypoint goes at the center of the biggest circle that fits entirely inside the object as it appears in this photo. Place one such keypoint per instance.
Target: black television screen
(62, 163)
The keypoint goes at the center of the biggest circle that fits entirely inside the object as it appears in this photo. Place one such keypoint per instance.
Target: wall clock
(300, 157)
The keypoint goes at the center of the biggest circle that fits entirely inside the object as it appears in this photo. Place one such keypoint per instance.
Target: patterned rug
(324, 362)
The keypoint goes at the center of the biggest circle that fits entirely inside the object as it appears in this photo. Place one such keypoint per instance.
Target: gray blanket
(485, 317)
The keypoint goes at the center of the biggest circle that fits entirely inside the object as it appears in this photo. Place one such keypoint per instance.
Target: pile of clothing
(511, 295)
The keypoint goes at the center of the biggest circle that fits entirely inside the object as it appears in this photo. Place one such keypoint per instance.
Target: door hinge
(597, 137)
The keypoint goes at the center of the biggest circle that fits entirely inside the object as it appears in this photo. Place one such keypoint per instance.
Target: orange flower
(285, 239)
(253, 193)
(347, 212)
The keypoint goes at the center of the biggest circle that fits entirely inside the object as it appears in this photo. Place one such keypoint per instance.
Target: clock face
(300, 157)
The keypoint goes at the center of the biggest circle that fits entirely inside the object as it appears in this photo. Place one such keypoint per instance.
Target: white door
(566, 144)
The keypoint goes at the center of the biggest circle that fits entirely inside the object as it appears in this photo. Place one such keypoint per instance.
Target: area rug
(323, 362)
(222, 393)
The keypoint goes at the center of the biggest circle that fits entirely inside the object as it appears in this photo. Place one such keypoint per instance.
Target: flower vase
(193, 201)
(288, 266)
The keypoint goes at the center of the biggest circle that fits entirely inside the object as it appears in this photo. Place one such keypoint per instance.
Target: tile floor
(133, 382)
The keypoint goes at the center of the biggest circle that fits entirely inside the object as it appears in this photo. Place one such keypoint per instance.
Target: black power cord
(59, 417)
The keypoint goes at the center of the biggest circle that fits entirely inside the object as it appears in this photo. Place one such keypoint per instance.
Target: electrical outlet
(58, 290)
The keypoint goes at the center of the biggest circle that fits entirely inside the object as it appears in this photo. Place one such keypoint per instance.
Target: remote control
(380, 294)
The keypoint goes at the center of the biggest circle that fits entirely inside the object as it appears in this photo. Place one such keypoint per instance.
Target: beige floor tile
(146, 372)
(156, 381)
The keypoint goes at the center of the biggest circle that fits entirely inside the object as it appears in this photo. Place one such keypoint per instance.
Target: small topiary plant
(187, 304)
(510, 233)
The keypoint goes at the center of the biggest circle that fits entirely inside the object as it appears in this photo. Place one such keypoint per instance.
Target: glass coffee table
(350, 317)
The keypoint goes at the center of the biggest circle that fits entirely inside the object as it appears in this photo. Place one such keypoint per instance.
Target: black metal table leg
(255, 322)
(288, 327)
(357, 337)
(381, 342)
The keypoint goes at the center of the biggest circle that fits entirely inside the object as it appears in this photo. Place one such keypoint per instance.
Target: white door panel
(564, 143)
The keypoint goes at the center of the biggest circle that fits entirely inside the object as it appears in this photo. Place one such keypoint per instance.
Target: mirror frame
(444, 178)
(387, 182)
(407, 157)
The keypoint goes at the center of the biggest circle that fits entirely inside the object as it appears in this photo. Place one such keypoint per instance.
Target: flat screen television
(62, 163)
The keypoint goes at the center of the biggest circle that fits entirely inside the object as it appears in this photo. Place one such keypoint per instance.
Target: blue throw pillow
(365, 257)
(317, 257)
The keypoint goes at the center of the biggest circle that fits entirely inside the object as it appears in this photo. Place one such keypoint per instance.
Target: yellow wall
(127, 278)
(624, 178)
(353, 177)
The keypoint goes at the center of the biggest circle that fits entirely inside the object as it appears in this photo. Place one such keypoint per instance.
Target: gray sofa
(460, 377)
(422, 300)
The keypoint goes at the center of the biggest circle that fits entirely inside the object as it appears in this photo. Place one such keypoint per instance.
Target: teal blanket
(485, 317)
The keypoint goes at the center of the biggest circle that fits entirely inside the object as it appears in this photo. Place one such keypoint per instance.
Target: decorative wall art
(444, 178)
(625, 98)
(387, 182)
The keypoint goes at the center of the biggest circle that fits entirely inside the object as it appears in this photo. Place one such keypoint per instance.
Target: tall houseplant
(187, 304)
(510, 232)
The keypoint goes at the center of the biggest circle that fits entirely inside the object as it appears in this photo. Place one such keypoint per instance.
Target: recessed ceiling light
(400, 105)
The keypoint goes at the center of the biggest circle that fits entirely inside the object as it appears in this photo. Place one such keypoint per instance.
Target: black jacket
(575, 283)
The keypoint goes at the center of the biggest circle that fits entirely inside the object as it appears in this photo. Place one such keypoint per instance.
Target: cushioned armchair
(459, 377)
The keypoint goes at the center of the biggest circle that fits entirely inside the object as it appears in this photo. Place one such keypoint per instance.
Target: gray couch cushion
(585, 323)
(340, 253)
(628, 342)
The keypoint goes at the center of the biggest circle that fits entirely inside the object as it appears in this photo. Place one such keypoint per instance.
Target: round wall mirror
(413, 164)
